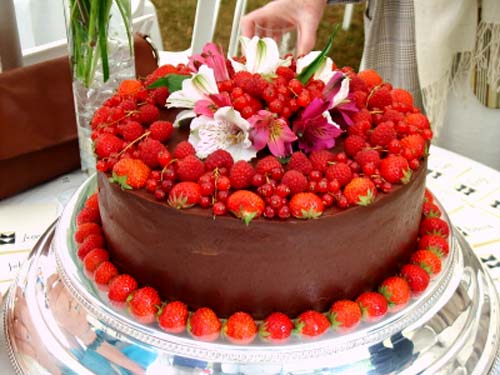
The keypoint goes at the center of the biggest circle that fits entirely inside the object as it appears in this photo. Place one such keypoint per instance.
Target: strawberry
(173, 316)
(88, 215)
(149, 149)
(276, 328)
(190, 168)
(240, 328)
(241, 174)
(306, 206)
(161, 130)
(92, 202)
(340, 172)
(86, 229)
(107, 144)
(129, 87)
(267, 164)
(320, 160)
(373, 305)
(428, 260)
(184, 195)
(383, 134)
(345, 315)
(204, 325)
(379, 99)
(90, 243)
(295, 180)
(417, 278)
(434, 225)
(130, 173)
(143, 304)
(402, 99)
(360, 191)
(94, 258)
(245, 205)
(428, 197)
(370, 77)
(120, 287)
(219, 159)
(396, 291)
(395, 169)
(436, 244)
(311, 324)
(105, 272)
(300, 162)
(353, 144)
(183, 149)
(418, 120)
(414, 144)
(430, 210)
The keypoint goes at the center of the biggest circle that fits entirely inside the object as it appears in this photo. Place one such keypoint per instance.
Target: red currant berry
(258, 180)
(207, 189)
(414, 164)
(284, 212)
(167, 185)
(328, 200)
(341, 157)
(282, 190)
(219, 209)
(266, 190)
(275, 201)
(159, 194)
(164, 158)
(222, 196)
(151, 185)
(205, 202)
(277, 173)
(315, 175)
(269, 212)
(223, 183)
(342, 201)
(313, 186)
(394, 147)
(333, 186)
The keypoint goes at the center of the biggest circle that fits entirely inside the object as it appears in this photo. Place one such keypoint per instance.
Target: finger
(306, 38)
(247, 27)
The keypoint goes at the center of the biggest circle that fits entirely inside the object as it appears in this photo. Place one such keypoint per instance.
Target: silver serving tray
(452, 328)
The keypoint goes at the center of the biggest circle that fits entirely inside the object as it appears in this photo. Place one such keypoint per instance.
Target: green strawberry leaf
(309, 70)
(173, 82)
(365, 200)
(120, 180)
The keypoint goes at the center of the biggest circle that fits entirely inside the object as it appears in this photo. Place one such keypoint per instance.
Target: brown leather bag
(38, 138)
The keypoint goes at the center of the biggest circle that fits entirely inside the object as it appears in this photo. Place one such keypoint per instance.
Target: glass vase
(101, 53)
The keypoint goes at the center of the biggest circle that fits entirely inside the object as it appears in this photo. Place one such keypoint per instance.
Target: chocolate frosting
(270, 265)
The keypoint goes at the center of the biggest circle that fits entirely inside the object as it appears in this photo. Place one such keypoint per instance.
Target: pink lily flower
(341, 105)
(213, 57)
(315, 128)
(207, 107)
(267, 130)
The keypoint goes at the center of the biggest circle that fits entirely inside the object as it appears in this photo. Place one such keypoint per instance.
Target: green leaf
(173, 82)
(309, 70)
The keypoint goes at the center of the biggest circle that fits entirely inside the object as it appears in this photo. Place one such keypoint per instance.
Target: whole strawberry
(86, 229)
(311, 324)
(395, 169)
(143, 304)
(434, 243)
(434, 225)
(173, 316)
(417, 278)
(130, 173)
(240, 328)
(120, 287)
(360, 191)
(104, 273)
(245, 205)
(396, 291)
(428, 260)
(373, 306)
(276, 328)
(430, 210)
(345, 315)
(184, 195)
(90, 243)
(204, 325)
(306, 206)
(94, 258)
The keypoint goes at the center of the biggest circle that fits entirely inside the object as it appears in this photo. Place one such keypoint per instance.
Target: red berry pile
(144, 304)
(385, 143)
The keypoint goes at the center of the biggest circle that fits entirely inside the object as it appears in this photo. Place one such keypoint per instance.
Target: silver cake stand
(53, 311)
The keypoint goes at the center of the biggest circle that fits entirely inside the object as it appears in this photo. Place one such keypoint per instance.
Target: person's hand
(305, 15)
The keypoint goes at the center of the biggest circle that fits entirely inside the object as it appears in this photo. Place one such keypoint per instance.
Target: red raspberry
(359, 98)
(266, 165)
(370, 77)
(340, 172)
(392, 115)
(121, 287)
(415, 144)
(418, 120)
(320, 160)
(86, 229)
(128, 105)
(379, 99)
(90, 243)
(219, 159)
(360, 129)
(161, 130)
(100, 117)
(131, 130)
(190, 168)
(300, 162)
(367, 156)
(383, 134)
(94, 258)
(402, 99)
(241, 77)
(183, 149)
(147, 114)
(105, 272)
(363, 115)
(295, 180)
(107, 144)
(241, 174)
(353, 144)
(149, 150)
(357, 84)
(159, 95)
(88, 215)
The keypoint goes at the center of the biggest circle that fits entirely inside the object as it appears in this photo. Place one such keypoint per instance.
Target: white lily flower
(227, 130)
(324, 71)
(262, 56)
(198, 87)
(343, 92)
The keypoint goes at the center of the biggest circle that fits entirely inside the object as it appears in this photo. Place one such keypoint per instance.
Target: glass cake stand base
(55, 321)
